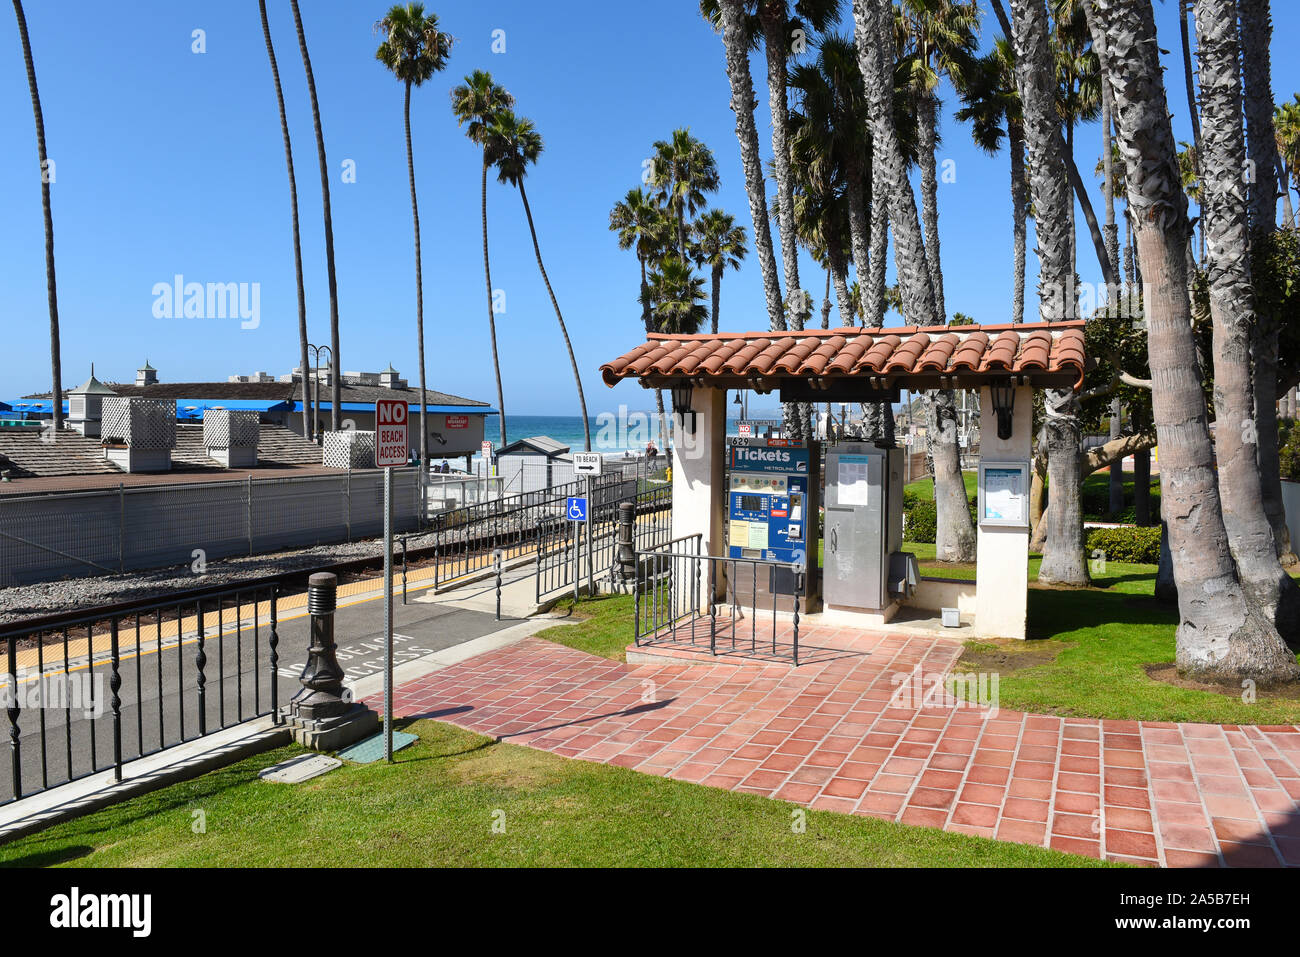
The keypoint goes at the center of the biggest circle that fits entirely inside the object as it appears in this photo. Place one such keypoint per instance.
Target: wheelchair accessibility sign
(577, 510)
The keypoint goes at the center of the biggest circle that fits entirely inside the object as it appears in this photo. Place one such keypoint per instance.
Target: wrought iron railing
(95, 693)
(744, 606)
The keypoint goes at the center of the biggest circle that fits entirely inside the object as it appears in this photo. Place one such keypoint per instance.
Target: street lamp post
(317, 437)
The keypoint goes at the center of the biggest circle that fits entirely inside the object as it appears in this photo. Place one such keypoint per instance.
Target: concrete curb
(180, 763)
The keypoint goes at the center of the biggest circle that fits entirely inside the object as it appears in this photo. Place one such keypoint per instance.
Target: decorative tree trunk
(955, 539)
(1221, 634)
(928, 135)
(735, 41)
(51, 286)
(1019, 214)
(1063, 558)
(303, 360)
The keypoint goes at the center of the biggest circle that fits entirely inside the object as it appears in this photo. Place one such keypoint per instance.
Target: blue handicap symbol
(577, 510)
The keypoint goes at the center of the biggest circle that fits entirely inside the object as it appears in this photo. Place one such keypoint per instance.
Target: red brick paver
(827, 735)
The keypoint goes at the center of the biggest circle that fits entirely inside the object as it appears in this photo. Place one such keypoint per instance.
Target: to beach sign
(392, 442)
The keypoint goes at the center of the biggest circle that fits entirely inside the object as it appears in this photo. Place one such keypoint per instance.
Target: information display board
(1003, 494)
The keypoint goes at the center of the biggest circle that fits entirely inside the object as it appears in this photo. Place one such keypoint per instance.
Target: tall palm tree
(1261, 142)
(1232, 309)
(51, 285)
(476, 103)
(303, 360)
(331, 277)
(940, 39)
(739, 32)
(682, 170)
(414, 49)
(1286, 125)
(992, 102)
(955, 540)
(640, 223)
(717, 243)
(1220, 635)
(1036, 78)
(1186, 31)
(676, 297)
(834, 119)
(516, 146)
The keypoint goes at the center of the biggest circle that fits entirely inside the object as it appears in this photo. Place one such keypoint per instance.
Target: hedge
(920, 518)
(1137, 546)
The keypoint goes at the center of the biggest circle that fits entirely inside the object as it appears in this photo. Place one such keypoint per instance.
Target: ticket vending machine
(772, 508)
(865, 569)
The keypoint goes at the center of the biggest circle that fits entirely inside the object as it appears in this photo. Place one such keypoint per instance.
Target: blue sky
(171, 162)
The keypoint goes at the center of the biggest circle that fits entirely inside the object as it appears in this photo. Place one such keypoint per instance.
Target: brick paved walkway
(827, 735)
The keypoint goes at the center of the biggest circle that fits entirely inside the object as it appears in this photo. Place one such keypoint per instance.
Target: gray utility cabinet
(864, 524)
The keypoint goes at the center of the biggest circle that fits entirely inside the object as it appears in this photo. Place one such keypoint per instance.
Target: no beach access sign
(392, 441)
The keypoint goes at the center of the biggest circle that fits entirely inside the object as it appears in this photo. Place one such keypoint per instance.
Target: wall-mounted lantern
(682, 404)
(1003, 393)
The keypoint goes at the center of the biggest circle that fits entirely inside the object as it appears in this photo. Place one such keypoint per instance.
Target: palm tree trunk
(859, 226)
(336, 363)
(717, 295)
(1221, 634)
(955, 538)
(419, 289)
(1284, 179)
(492, 320)
(1063, 559)
(1019, 214)
(1189, 84)
(826, 302)
(772, 16)
(303, 359)
(51, 285)
(927, 134)
(735, 42)
(840, 279)
(872, 288)
(568, 345)
(1232, 310)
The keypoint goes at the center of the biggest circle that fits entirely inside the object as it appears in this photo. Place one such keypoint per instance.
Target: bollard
(322, 677)
(403, 569)
(496, 557)
(626, 560)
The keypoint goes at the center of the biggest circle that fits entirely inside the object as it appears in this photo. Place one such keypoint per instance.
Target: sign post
(576, 510)
(392, 449)
(588, 464)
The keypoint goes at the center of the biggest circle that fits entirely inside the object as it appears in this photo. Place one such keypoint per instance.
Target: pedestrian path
(855, 733)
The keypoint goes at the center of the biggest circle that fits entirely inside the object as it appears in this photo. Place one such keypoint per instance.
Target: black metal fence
(685, 599)
(563, 550)
(92, 694)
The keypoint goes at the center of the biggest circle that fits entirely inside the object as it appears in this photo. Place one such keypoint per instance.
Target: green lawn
(438, 804)
(1095, 488)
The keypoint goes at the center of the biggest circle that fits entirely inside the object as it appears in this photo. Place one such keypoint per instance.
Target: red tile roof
(911, 356)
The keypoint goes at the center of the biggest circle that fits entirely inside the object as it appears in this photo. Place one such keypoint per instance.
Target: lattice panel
(146, 424)
(350, 449)
(230, 429)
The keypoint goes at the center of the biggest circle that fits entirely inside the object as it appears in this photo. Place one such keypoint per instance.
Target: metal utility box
(772, 508)
(864, 524)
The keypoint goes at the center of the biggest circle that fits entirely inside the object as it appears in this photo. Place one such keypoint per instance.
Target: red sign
(458, 421)
(392, 439)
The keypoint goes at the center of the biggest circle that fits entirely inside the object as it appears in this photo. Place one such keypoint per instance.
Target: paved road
(160, 689)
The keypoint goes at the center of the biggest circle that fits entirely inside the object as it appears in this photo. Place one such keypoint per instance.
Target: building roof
(276, 392)
(92, 386)
(28, 453)
(913, 357)
(540, 444)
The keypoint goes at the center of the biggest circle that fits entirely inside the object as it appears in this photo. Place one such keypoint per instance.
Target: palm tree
(940, 38)
(1189, 83)
(676, 297)
(640, 224)
(1232, 309)
(335, 362)
(1221, 635)
(834, 120)
(516, 146)
(414, 49)
(989, 91)
(739, 31)
(476, 103)
(1078, 80)
(51, 285)
(307, 431)
(682, 170)
(1286, 125)
(717, 243)
(1063, 559)
(955, 540)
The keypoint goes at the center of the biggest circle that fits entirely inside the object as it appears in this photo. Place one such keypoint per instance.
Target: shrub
(1288, 451)
(921, 519)
(1138, 546)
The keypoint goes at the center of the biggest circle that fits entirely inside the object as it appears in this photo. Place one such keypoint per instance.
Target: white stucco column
(699, 500)
(1002, 561)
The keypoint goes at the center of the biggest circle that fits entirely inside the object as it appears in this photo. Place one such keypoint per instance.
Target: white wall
(1002, 563)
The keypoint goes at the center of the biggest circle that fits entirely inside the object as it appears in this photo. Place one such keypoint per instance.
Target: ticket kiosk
(772, 511)
(865, 568)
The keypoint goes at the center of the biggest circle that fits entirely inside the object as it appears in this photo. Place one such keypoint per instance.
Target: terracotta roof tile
(1055, 350)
